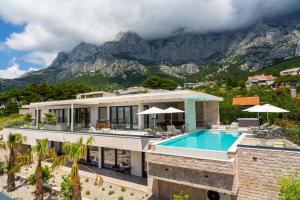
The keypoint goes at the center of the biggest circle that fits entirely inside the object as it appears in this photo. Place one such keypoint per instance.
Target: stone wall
(195, 178)
(259, 171)
(224, 167)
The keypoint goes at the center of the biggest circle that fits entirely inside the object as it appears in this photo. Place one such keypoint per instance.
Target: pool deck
(276, 143)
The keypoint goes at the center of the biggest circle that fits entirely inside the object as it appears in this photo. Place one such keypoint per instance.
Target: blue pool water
(205, 139)
(4, 197)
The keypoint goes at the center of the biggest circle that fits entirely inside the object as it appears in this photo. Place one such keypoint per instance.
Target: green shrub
(111, 192)
(120, 198)
(66, 187)
(45, 173)
(50, 118)
(87, 192)
(123, 189)
(180, 196)
(2, 168)
(289, 187)
(293, 134)
(86, 180)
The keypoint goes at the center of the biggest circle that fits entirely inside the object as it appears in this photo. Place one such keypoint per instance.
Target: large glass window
(60, 115)
(82, 117)
(108, 158)
(102, 114)
(92, 156)
(116, 159)
(124, 117)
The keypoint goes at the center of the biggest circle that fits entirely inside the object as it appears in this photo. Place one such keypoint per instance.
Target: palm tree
(14, 141)
(74, 152)
(40, 153)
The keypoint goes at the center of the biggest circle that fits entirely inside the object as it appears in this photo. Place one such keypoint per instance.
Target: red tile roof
(261, 78)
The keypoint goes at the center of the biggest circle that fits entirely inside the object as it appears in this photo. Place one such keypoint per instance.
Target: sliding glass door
(124, 117)
(82, 117)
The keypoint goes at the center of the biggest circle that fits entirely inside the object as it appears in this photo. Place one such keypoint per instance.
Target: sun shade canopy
(173, 110)
(153, 110)
(267, 108)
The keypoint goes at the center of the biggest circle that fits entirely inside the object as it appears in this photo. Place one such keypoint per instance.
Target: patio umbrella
(151, 111)
(267, 108)
(253, 109)
(172, 110)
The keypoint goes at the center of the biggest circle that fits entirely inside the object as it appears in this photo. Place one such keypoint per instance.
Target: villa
(205, 163)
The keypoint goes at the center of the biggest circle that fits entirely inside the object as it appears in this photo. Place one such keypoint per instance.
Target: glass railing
(116, 129)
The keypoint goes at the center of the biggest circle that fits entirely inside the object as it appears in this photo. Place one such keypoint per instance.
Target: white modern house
(292, 72)
(119, 132)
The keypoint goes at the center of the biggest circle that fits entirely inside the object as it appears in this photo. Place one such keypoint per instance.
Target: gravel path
(107, 191)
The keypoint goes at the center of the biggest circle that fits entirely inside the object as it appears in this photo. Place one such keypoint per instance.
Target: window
(102, 114)
(92, 156)
(124, 117)
(60, 115)
(116, 159)
(108, 158)
(82, 117)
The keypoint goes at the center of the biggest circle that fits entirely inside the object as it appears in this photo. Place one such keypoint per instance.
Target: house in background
(292, 72)
(260, 80)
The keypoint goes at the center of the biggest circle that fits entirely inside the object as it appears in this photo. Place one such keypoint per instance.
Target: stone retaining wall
(259, 171)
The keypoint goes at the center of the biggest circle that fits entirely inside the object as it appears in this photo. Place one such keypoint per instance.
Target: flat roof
(179, 95)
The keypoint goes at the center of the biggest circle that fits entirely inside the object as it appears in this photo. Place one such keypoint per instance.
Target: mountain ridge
(181, 55)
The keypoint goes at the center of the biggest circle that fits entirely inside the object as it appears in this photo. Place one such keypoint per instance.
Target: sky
(32, 32)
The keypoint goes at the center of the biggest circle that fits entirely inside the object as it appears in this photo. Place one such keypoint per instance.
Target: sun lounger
(173, 130)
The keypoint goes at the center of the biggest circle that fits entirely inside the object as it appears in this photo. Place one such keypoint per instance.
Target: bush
(111, 192)
(50, 118)
(293, 134)
(289, 188)
(66, 187)
(180, 196)
(120, 198)
(45, 173)
(2, 168)
(123, 189)
(87, 192)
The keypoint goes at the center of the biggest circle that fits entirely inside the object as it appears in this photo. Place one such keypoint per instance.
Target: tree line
(15, 98)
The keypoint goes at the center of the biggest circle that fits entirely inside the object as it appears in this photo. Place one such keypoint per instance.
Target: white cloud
(55, 25)
(13, 70)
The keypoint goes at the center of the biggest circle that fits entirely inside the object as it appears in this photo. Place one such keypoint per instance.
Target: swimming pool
(211, 144)
(205, 139)
(4, 197)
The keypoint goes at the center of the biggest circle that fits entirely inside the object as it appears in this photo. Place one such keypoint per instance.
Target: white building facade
(120, 136)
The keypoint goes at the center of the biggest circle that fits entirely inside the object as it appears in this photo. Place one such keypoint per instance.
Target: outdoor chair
(260, 132)
(173, 129)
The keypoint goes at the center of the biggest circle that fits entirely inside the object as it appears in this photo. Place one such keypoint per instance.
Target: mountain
(186, 56)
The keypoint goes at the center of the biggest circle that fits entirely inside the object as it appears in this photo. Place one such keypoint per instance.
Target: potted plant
(28, 119)
(50, 121)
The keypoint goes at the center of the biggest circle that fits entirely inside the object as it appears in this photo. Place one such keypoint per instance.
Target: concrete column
(136, 163)
(140, 117)
(100, 157)
(94, 116)
(68, 116)
(190, 114)
(218, 113)
(204, 113)
(37, 118)
(108, 112)
(72, 117)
